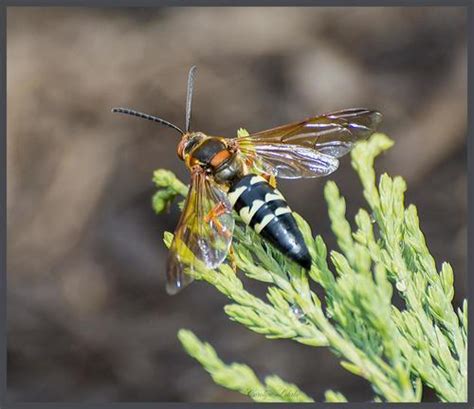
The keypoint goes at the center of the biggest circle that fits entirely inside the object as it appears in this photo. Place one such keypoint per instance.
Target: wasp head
(188, 142)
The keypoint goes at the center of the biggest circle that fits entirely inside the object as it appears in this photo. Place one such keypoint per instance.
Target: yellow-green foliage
(397, 351)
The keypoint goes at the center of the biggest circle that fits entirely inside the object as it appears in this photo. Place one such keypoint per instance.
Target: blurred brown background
(88, 316)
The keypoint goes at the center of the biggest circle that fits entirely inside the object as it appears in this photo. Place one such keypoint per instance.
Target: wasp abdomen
(265, 209)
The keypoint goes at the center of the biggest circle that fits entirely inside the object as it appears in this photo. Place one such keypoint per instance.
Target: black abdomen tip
(303, 259)
(284, 234)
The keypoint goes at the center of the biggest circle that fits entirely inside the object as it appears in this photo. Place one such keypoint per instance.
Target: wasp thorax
(229, 169)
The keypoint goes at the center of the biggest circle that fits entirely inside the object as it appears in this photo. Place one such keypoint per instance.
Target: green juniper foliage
(396, 351)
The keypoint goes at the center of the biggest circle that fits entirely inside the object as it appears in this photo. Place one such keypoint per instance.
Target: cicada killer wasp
(236, 173)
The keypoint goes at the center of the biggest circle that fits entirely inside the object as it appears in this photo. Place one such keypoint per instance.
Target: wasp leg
(232, 259)
(271, 179)
(213, 217)
(215, 212)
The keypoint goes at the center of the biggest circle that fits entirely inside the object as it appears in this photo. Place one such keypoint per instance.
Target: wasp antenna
(147, 116)
(189, 96)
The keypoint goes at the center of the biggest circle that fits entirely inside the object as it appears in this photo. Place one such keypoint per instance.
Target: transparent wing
(203, 234)
(309, 148)
(291, 161)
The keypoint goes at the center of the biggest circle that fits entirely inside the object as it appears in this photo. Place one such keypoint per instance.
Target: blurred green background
(88, 316)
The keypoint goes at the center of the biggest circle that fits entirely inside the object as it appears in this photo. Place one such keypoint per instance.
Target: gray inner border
(240, 3)
(469, 4)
